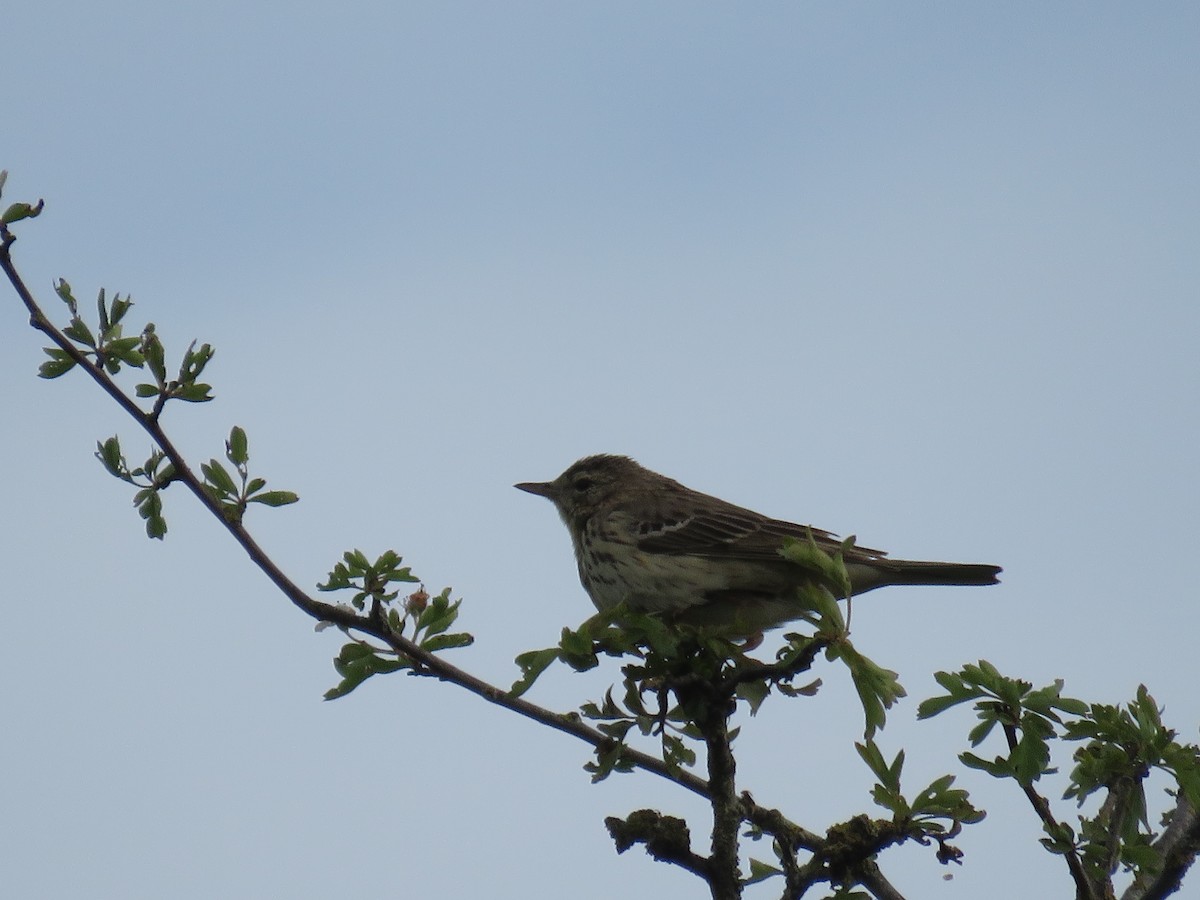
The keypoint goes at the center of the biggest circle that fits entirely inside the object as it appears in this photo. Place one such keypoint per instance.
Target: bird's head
(586, 486)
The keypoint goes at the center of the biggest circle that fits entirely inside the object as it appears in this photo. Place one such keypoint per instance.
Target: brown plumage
(649, 541)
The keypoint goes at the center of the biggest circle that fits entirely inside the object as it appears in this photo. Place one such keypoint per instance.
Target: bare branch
(666, 839)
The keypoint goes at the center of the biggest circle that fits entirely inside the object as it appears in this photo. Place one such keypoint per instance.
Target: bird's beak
(541, 488)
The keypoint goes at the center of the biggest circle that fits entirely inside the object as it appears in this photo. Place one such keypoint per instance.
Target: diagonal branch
(721, 870)
(424, 662)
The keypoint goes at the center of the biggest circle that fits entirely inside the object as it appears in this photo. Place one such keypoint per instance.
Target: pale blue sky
(926, 273)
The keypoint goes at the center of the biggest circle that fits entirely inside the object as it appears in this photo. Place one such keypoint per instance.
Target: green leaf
(339, 579)
(676, 753)
(1060, 840)
(532, 664)
(937, 788)
(1146, 713)
(616, 730)
(977, 734)
(934, 705)
(79, 332)
(577, 649)
(63, 289)
(125, 349)
(403, 574)
(146, 390)
(609, 758)
(102, 310)
(148, 502)
(1188, 778)
(278, 498)
(110, 453)
(156, 527)
(576, 643)
(803, 690)
(952, 682)
(152, 351)
(237, 448)
(754, 693)
(1141, 857)
(997, 768)
(57, 365)
(878, 688)
(957, 691)
(447, 642)
(439, 615)
(219, 478)
(357, 663)
(119, 308)
(829, 568)
(1030, 758)
(761, 871)
(888, 775)
(193, 393)
(194, 362)
(18, 211)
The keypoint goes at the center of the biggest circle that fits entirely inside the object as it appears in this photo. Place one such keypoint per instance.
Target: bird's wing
(730, 532)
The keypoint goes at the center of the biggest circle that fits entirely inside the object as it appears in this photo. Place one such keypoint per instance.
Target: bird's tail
(910, 571)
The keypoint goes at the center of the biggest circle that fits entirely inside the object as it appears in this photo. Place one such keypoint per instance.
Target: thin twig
(1084, 888)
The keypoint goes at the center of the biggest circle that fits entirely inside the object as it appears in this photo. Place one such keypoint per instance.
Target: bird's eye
(582, 484)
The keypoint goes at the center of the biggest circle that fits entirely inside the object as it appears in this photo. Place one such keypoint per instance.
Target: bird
(647, 541)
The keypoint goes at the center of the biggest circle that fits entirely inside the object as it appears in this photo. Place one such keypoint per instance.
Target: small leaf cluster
(676, 676)
(422, 619)
(1028, 718)
(828, 568)
(681, 673)
(878, 688)
(369, 580)
(151, 477)
(1123, 746)
(935, 816)
(660, 701)
(922, 817)
(1125, 743)
(234, 495)
(107, 345)
(581, 648)
(184, 386)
